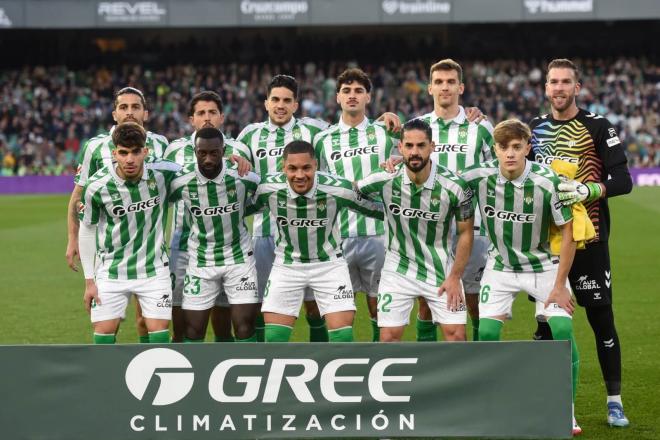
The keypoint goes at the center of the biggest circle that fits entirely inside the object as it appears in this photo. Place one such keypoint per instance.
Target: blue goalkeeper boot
(615, 415)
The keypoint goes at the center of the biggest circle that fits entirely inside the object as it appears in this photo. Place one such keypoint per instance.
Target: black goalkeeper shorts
(591, 276)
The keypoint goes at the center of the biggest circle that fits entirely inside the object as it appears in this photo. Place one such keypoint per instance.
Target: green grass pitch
(41, 302)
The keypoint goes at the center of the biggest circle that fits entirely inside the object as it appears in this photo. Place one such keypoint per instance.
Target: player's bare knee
(453, 333)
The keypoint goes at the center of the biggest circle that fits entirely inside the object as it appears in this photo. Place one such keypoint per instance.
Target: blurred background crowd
(47, 113)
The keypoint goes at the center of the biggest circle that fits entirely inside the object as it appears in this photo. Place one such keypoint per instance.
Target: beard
(416, 168)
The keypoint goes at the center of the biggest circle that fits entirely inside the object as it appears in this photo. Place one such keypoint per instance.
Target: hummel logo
(609, 343)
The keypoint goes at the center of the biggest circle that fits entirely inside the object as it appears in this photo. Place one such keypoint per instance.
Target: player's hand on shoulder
(391, 164)
(572, 191)
(392, 121)
(473, 114)
(243, 166)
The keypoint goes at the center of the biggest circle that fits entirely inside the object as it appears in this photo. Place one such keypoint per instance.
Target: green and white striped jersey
(459, 144)
(97, 153)
(419, 220)
(182, 151)
(265, 142)
(218, 235)
(131, 219)
(517, 215)
(354, 153)
(307, 224)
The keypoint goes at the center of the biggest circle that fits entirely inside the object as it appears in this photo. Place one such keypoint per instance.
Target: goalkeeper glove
(572, 191)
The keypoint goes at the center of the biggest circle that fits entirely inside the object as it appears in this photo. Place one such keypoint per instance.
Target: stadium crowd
(47, 114)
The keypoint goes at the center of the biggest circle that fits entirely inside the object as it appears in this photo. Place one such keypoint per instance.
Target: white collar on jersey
(344, 127)
(430, 181)
(218, 179)
(287, 127)
(119, 180)
(459, 119)
(518, 181)
(309, 194)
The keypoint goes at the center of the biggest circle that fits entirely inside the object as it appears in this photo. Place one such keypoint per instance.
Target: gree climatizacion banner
(241, 391)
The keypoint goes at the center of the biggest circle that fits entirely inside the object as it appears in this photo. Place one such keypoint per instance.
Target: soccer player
(422, 200)
(205, 110)
(459, 143)
(126, 204)
(219, 245)
(265, 142)
(590, 141)
(129, 106)
(353, 149)
(518, 200)
(306, 204)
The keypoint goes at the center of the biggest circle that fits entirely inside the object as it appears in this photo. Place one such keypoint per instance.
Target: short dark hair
(129, 135)
(285, 81)
(206, 96)
(209, 133)
(349, 76)
(130, 91)
(297, 147)
(563, 63)
(417, 124)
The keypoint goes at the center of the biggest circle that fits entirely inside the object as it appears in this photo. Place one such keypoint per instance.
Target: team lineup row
(330, 240)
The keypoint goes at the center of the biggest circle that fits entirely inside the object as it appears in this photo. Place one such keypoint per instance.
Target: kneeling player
(421, 201)
(127, 204)
(305, 205)
(518, 201)
(219, 244)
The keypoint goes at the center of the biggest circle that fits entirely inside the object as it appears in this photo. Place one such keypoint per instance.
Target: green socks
(562, 330)
(159, 337)
(278, 333)
(101, 338)
(259, 327)
(344, 334)
(427, 331)
(252, 338)
(475, 329)
(228, 339)
(490, 329)
(144, 339)
(375, 330)
(318, 332)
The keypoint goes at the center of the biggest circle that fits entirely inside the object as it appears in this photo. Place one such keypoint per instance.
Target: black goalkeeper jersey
(590, 141)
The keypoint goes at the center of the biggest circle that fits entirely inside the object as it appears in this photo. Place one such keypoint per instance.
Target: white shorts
(397, 295)
(264, 254)
(365, 257)
(329, 280)
(178, 266)
(474, 269)
(203, 286)
(154, 295)
(499, 289)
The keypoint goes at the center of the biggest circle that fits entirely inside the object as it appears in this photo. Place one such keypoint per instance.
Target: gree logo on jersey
(547, 160)
(120, 210)
(451, 148)
(508, 215)
(302, 222)
(413, 213)
(273, 152)
(214, 210)
(352, 152)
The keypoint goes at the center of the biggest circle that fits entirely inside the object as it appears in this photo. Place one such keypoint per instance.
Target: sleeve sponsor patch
(613, 141)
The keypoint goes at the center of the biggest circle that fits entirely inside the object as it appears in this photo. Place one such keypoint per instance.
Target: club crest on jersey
(143, 205)
(210, 211)
(413, 213)
(151, 184)
(435, 201)
(297, 135)
(231, 192)
(302, 222)
(462, 132)
(273, 152)
(321, 206)
(371, 137)
(516, 217)
(529, 200)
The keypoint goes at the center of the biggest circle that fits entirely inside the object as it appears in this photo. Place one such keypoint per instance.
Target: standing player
(422, 200)
(518, 200)
(306, 205)
(459, 143)
(575, 135)
(220, 248)
(353, 149)
(204, 111)
(127, 204)
(129, 106)
(265, 142)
